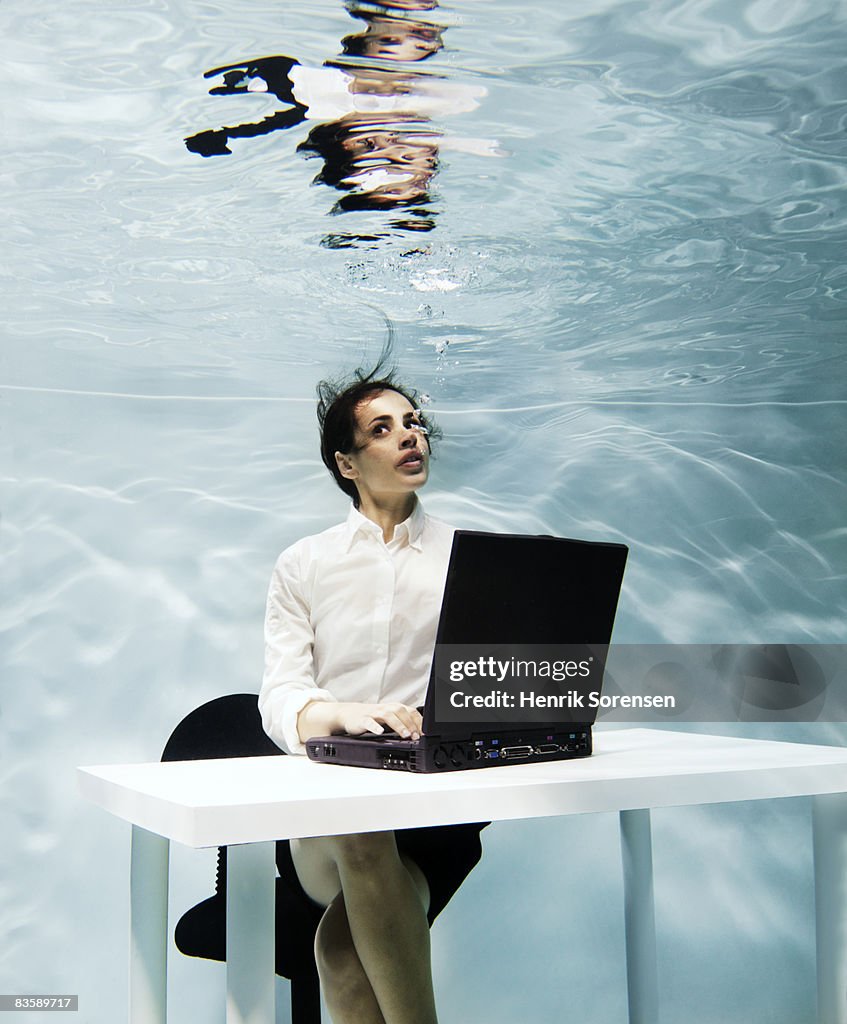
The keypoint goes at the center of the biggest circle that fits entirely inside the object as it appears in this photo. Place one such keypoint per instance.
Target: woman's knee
(335, 954)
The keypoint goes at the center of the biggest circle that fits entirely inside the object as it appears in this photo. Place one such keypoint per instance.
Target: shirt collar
(411, 528)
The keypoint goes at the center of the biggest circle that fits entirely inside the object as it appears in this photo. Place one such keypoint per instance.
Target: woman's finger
(402, 722)
(370, 724)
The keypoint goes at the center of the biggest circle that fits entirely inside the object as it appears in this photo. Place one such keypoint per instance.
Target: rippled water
(629, 315)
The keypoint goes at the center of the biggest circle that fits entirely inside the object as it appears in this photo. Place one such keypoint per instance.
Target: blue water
(629, 316)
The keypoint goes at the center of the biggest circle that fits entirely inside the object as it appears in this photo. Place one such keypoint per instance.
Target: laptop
(520, 651)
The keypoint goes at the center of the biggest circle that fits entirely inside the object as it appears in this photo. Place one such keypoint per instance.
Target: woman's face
(391, 456)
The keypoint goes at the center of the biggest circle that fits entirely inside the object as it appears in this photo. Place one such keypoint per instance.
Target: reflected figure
(371, 115)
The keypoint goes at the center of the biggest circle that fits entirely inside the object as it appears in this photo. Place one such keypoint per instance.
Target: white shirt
(329, 94)
(351, 618)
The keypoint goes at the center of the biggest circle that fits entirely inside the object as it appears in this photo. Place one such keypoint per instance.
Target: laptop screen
(511, 594)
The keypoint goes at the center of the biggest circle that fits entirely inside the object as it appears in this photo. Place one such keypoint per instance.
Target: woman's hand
(326, 718)
(379, 718)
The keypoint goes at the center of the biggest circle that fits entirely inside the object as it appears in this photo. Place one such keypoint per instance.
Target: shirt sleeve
(289, 682)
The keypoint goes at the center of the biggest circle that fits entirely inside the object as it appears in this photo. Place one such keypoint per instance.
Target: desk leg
(639, 916)
(829, 830)
(148, 916)
(250, 933)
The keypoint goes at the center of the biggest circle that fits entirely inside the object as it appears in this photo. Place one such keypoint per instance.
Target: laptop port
(575, 748)
(512, 753)
(547, 748)
(399, 760)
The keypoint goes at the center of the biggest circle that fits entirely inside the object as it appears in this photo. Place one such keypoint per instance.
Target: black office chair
(230, 726)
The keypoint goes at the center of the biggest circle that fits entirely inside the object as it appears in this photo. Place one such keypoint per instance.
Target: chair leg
(220, 872)
(306, 999)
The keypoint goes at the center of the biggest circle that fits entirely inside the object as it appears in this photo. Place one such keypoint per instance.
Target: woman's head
(373, 435)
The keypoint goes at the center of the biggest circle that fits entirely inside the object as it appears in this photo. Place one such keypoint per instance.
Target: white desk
(247, 803)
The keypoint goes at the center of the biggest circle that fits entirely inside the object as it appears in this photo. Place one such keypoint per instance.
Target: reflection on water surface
(373, 119)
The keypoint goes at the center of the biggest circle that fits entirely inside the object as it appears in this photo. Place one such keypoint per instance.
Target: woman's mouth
(414, 460)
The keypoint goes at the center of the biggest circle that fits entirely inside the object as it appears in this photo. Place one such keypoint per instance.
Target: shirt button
(380, 649)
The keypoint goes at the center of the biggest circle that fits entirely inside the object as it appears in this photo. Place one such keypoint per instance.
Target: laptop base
(450, 753)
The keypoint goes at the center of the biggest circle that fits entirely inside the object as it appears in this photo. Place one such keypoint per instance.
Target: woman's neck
(387, 512)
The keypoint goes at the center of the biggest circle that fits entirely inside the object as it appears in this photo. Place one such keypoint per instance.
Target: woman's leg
(347, 990)
(375, 922)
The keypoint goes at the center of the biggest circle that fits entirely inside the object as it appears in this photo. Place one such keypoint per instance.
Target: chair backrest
(228, 726)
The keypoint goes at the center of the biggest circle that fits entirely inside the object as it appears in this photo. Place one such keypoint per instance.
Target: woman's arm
(288, 683)
(292, 706)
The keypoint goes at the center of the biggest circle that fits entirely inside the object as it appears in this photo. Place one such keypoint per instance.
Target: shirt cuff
(287, 723)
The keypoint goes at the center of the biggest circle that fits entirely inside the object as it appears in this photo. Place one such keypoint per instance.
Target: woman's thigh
(317, 860)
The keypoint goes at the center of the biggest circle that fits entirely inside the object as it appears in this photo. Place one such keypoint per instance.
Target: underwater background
(606, 243)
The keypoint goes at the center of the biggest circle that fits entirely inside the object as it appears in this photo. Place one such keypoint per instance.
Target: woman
(350, 630)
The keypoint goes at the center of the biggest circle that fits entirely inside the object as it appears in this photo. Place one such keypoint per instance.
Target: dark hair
(337, 404)
(356, 45)
(331, 141)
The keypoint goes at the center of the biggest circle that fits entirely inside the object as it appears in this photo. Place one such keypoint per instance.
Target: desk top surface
(253, 799)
